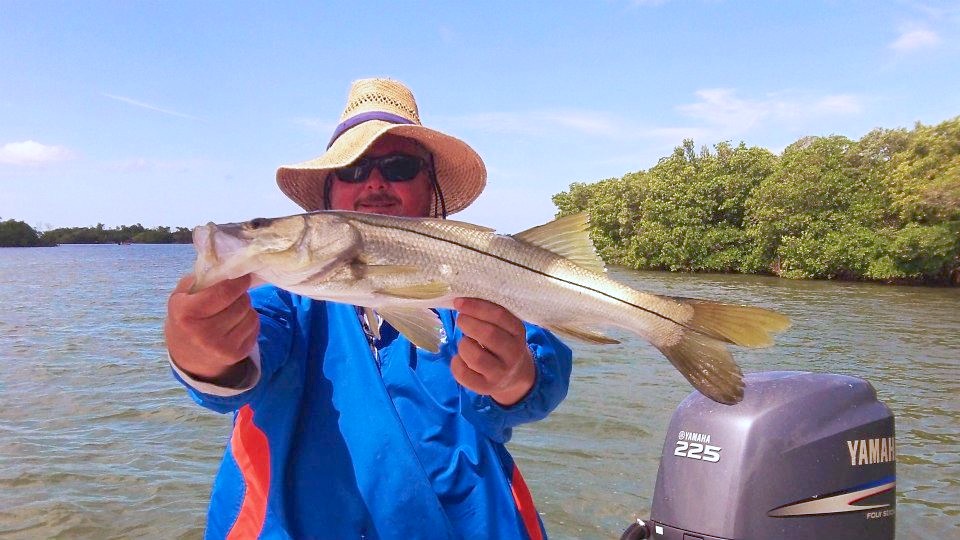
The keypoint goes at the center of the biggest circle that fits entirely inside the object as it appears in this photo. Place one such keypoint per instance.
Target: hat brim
(459, 169)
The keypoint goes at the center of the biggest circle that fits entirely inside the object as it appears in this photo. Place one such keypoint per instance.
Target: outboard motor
(803, 456)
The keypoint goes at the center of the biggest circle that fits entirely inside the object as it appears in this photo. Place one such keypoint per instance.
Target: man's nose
(376, 181)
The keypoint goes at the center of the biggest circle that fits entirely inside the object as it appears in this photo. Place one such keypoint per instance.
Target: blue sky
(178, 113)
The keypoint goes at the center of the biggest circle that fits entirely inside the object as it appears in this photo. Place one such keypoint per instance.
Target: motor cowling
(804, 455)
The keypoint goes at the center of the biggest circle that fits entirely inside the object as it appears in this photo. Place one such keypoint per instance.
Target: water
(98, 441)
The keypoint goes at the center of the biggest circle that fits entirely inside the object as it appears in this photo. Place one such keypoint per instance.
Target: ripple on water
(98, 441)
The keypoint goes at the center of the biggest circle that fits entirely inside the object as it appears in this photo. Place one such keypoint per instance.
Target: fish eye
(258, 222)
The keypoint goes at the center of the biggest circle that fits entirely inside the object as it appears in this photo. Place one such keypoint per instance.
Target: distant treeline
(19, 234)
(883, 208)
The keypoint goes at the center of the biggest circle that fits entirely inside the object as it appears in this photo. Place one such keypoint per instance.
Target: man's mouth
(377, 202)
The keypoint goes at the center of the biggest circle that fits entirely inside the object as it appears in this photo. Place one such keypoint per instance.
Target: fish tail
(708, 365)
(746, 326)
(701, 353)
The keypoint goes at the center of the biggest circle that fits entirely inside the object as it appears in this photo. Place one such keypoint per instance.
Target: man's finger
(219, 297)
(466, 376)
(244, 333)
(240, 309)
(500, 342)
(185, 283)
(480, 359)
(492, 313)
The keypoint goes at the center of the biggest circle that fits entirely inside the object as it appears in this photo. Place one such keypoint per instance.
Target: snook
(548, 275)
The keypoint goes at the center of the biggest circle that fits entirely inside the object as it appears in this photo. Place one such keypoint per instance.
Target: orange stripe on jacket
(524, 501)
(252, 455)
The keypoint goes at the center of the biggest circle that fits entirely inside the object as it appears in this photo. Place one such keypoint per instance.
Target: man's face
(376, 195)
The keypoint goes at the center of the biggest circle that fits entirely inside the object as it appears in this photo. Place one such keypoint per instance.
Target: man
(343, 428)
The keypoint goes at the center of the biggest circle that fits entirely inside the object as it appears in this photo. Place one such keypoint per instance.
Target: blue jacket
(333, 441)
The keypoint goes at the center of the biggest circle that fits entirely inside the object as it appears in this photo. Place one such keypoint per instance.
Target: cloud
(720, 106)
(730, 114)
(838, 104)
(447, 35)
(568, 125)
(912, 40)
(316, 124)
(150, 107)
(145, 165)
(540, 122)
(33, 153)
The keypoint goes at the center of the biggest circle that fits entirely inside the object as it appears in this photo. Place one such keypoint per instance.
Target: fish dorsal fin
(568, 237)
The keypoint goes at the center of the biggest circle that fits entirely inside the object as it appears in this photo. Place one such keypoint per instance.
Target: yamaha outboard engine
(803, 456)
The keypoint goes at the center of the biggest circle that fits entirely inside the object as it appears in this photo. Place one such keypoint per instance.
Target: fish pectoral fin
(708, 365)
(581, 334)
(420, 325)
(568, 237)
(419, 291)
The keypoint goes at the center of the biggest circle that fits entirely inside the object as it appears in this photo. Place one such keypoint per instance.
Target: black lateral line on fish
(525, 267)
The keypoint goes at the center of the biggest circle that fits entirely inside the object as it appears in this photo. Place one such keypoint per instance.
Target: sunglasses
(393, 168)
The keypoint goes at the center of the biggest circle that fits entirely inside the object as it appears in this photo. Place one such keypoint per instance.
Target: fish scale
(524, 269)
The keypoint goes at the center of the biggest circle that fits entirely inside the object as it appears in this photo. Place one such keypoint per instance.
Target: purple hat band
(366, 117)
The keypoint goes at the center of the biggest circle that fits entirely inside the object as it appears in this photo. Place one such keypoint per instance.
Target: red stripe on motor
(251, 452)
(524, 501)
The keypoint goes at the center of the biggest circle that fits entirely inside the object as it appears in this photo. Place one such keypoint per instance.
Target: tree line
(18, 234)
(882, 208)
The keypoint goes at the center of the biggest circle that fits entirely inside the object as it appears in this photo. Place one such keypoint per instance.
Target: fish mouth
(217, 247)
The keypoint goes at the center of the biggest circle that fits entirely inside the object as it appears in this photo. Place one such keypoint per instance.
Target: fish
(550, 275)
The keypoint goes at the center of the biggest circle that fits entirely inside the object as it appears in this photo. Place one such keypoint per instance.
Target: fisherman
(342, 428)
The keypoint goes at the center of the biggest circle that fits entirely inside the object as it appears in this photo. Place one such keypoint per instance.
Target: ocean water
(98, 441)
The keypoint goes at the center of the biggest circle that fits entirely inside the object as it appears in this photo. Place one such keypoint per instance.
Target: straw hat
(375, 107)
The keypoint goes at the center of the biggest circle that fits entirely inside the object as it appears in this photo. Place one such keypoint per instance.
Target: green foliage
(19, 234)
(919, 251)
(886, 207)
(125, 234)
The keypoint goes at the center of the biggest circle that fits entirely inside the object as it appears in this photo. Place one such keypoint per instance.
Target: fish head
(230, 250)
(283, 250)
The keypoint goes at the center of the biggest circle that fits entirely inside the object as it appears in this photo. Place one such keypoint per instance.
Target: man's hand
(492, 357)
(210, 332)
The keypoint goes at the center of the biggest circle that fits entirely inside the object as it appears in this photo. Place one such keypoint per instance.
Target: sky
(178, 113)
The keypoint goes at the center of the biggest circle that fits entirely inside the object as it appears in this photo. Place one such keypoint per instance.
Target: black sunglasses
(393, 168)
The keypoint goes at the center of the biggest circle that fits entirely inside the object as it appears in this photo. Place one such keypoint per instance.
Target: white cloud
(730, 114)
(148, 106)
(33, 153)
(586, 122)
(911, 40)
(540, 122)
(573, 124)
(144, 165)
(838, 104)
(316, 124)
(720, 106)
(447, 35)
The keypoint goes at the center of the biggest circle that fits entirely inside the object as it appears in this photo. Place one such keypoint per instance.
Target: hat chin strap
(438, 202)
(366, 117)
